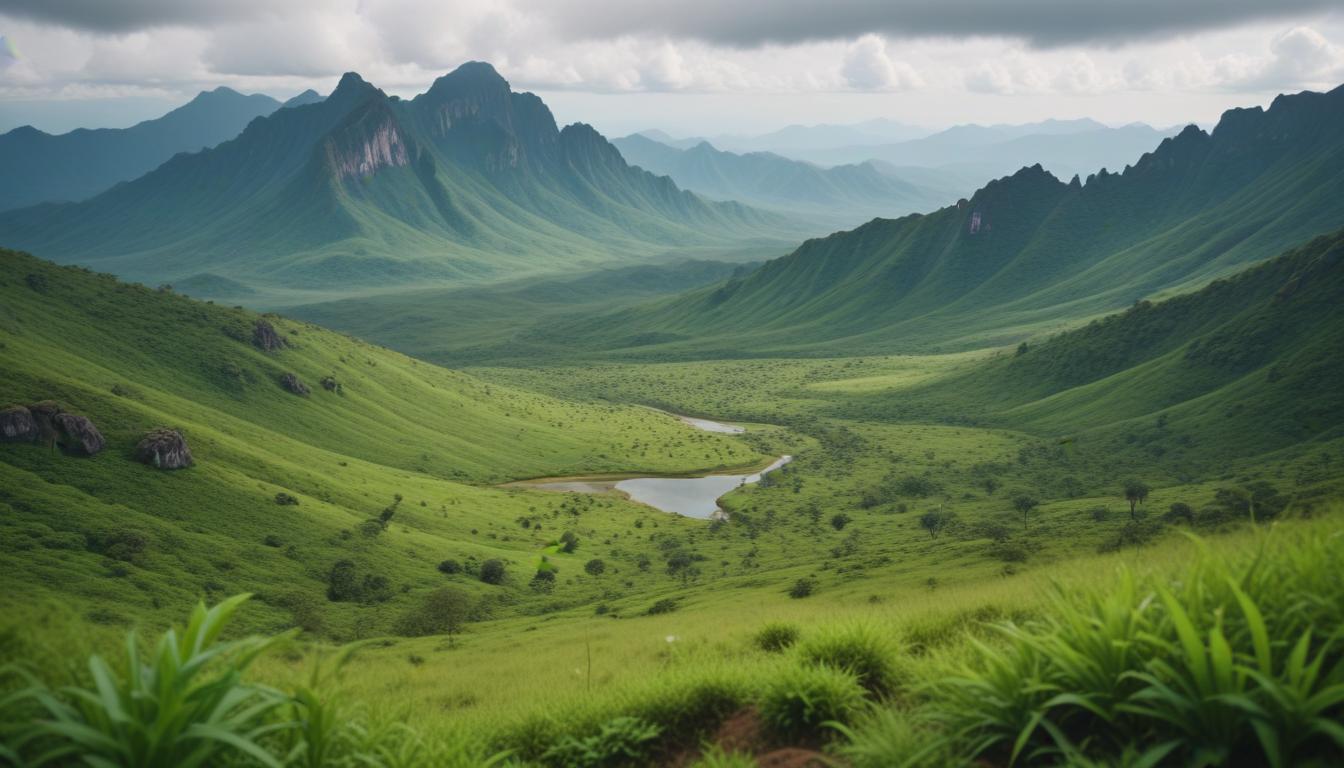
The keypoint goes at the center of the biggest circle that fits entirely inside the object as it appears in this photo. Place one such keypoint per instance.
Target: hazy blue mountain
(466, 181)
(39, 167)
(845, 195)
(307, 97)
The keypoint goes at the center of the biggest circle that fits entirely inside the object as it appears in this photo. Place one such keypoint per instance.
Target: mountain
(793, 138)
(1025, 254)
(466, 181)
(1064, 147)
(307, 97)
(41, 167)
(290, 474)
(845, 194)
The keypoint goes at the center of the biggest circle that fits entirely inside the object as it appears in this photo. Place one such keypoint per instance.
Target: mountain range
(84, 162)
(466, 181)
(844, 195)
(1025, 254)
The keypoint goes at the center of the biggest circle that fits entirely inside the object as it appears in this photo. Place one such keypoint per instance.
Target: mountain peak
(307, 97)
(351, 84)
(473, 75)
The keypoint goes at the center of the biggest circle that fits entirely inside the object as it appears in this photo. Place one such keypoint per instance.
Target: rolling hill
(846, 195)
(467, 181)
(1027, 253)
(288, 472)
(40, 167)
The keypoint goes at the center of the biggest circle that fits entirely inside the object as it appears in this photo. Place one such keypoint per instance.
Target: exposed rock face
(265, 338)
(78, 435)
(292, 384)
(17, 425)
(164, 448)
(44, 416)
(371, 140)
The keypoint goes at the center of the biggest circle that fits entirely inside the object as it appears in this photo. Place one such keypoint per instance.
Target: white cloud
(868, 67)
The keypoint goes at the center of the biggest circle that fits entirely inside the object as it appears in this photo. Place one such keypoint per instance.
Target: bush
(776, 638)
(666, 605)
(860, 649)
(450, 567)
(620, 741)
(802, 588)
(492, 572)
(272, 540)
(595, 567)
(284, 499)
(799, 701)
(442, 612)
(568, 542)
(839, 520)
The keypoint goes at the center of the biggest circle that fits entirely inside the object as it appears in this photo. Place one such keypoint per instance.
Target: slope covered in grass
(467, 181)
(125, 540)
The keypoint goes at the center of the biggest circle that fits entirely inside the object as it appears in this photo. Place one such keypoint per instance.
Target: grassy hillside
(467, 182)
(121, 541)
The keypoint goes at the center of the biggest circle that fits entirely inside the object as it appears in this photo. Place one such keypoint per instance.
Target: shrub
(776, 637)
(1179, 512)
(450, 567)
(284, 499)
(802, 588)
(595, 567)
(272, 540)
(492, 572)
(839, 520)
(799, 701)
(187, 706)
(666, 605)
(620, 741)
(443, 611)
(342, 583)
(543, 580)
(568, 542)
(860, 649)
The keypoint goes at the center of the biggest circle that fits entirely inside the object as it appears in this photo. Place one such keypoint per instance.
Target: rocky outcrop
(17, 425)
(292, 384)
(265, 338)
(78, 435)
(164, 448)
(368, 141)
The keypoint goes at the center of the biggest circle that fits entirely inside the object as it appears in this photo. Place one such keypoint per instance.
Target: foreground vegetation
(1197, 652)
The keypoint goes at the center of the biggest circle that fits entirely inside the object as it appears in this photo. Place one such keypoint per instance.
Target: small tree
(595, 567)
(1135, 493)
(443, 612)
(935, 522)
(802, 588)
(492, 572)
(450, 567)
(1024, 503)
(839, 520)
(568, 542)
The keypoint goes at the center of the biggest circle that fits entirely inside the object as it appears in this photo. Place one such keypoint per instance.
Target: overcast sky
(689, 66)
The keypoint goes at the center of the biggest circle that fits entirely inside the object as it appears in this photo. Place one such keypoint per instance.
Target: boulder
(264, 336)
(292, 384)
(78, 435)
(44, 416)
(17, 425)
(164, 448)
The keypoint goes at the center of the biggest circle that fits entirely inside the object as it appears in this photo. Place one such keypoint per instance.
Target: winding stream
(688, 496)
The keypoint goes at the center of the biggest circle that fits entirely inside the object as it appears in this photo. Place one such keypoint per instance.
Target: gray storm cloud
(1042, 23)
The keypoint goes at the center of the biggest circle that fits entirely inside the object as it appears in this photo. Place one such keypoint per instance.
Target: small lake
(687, 496)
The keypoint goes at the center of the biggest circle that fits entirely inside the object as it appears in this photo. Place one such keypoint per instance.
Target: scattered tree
(568, 542)
(839, 520)
(1024, 503)
(450, 567)
(1135, 493)
(595, 567)
(935, 522)
(492, 572)
(802, 588)
(443, 611)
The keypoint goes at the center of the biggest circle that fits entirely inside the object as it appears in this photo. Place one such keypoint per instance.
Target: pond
(687, 496)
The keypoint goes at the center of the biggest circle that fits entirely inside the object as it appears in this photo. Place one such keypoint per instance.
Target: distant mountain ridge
(467, 180)
(1026, 253)
(41, 167)
(846, 194)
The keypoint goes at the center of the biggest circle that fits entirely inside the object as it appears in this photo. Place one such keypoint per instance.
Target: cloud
(1043, 23)
(867, 67)
(119, 16)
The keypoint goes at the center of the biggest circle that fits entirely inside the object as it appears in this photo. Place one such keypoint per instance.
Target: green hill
(41, 167)
(119, 540)
(1246, 366)
(467, 181)
(1026, 254)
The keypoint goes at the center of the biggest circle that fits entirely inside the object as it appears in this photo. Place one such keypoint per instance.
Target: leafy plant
(620, 741)
(801, 701)
(776, 637)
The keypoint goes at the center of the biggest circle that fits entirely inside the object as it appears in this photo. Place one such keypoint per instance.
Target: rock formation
(78, 435)
(292, 384)
(17, 425)
(264, 336)
(164, 448)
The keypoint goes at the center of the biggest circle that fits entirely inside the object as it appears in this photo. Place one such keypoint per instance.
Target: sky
(691, 67)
